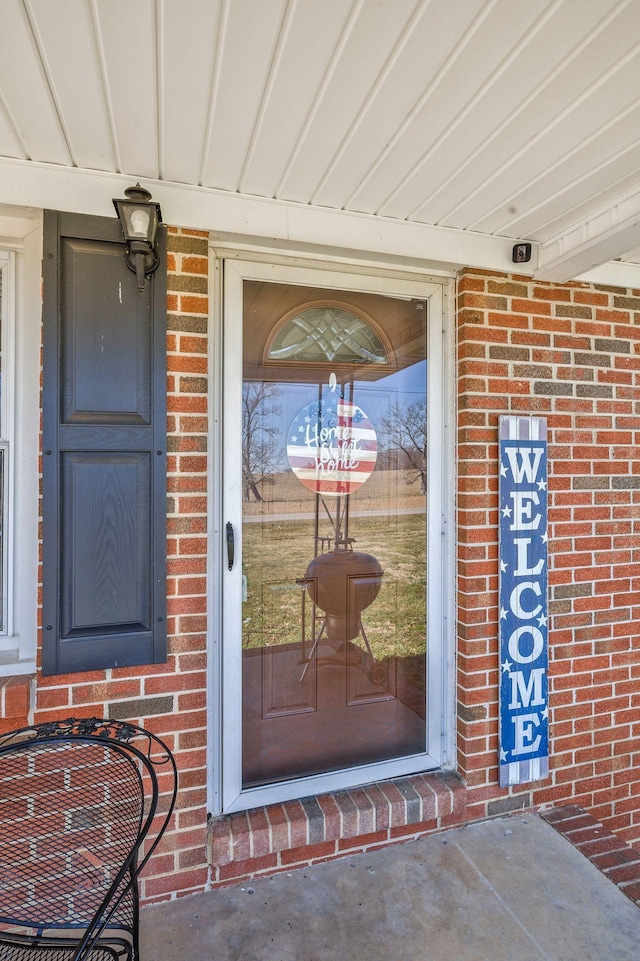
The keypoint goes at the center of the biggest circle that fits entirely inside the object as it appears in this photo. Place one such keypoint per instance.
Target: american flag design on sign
(332, 446)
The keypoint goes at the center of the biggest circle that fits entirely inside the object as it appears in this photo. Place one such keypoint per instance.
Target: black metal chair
(79, 820)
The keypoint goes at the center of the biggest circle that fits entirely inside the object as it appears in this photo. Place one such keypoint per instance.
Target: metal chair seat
(78, 821)
(58, 950)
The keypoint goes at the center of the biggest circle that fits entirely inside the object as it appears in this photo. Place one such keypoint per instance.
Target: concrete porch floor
(510, 889)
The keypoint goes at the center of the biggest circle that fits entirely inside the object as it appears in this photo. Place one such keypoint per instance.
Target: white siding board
(375, 33)
(519, 135)
(474, 64)
(10, 145)
(486, 116)
(249, 37)
(414, 63)
(71, 62)
(616, 173)
(523, 99)
(606, 184)
(188, 36)
(128, 40)
(303, 60)
(25, 89)
(571, 160)
(579, 138)
(603, 236)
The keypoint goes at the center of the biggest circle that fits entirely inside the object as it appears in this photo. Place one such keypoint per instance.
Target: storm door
(327, 474)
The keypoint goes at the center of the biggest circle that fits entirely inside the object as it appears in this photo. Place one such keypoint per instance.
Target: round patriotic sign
(332, 446)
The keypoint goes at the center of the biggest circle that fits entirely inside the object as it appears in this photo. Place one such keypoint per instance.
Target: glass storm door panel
(333, 490)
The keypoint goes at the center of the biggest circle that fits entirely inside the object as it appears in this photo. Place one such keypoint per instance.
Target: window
(5, 433)
(20, 312)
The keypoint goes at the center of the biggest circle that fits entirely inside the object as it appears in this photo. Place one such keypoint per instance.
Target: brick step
(278, 837)
(616, 859)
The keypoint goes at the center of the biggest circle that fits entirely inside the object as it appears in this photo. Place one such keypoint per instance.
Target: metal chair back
(79, 819)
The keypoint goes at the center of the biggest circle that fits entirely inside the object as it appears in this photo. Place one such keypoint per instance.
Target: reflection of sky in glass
(402, 387)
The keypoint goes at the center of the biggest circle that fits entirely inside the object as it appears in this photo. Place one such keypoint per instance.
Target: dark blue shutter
(104, 451)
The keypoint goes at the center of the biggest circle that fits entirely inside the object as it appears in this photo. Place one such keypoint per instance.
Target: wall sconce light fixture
(139, 218)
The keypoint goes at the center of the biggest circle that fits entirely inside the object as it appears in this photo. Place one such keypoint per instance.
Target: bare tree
(404, 437)
(259, 436)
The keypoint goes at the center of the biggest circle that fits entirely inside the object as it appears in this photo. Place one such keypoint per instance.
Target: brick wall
(170, 699)
(16, 694)
(572, 354)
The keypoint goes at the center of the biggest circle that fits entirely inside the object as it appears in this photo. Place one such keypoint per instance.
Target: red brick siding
(572, 354)
(170, 699)
(15, 702)
(300, 833)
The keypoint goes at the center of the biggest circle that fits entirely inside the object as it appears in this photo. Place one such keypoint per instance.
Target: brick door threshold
(279, 837)
(614, 857)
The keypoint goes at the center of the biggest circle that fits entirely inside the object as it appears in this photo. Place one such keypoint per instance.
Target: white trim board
(231, 215)
(27, 187)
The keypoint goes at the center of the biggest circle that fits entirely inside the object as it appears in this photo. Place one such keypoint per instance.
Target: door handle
(230, 544)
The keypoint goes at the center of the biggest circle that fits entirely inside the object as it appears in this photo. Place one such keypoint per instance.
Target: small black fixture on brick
(140, 219)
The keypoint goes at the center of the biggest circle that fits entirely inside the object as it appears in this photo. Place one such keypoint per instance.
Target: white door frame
(225, 502)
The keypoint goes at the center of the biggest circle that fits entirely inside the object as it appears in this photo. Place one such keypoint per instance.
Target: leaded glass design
(327, 334)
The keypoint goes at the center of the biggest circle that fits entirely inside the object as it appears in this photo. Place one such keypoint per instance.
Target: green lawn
(277, 552)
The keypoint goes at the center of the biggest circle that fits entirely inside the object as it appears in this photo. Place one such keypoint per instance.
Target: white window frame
(225, 791)
(7, 361)
(21, 265)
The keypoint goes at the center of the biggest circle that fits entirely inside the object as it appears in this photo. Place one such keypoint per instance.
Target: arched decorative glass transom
(327, 334)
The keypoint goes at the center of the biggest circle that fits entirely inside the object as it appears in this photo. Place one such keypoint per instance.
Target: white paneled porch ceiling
(509, 119)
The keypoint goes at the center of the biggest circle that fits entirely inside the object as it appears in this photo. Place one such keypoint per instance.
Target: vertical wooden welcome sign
(523, 629)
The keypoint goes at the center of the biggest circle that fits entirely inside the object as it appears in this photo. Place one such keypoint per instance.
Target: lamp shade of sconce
(139, 217)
